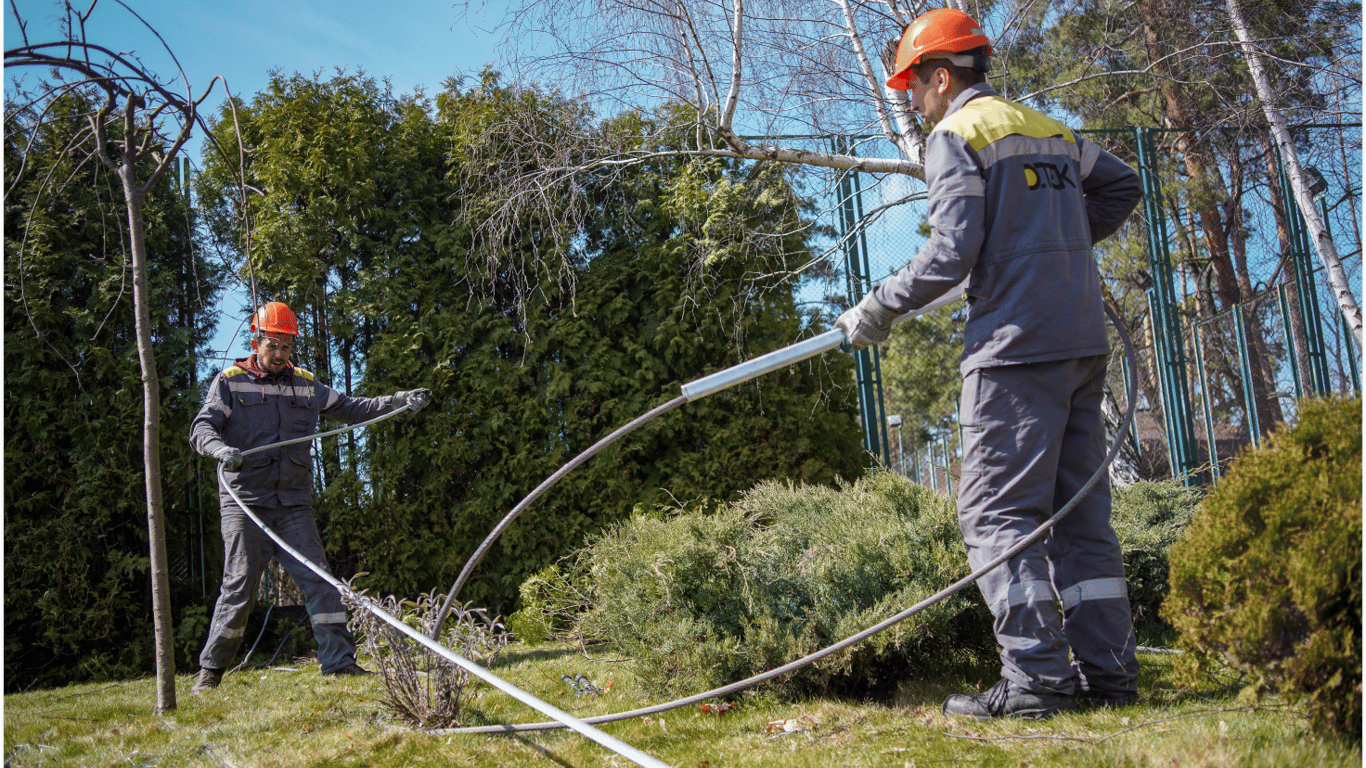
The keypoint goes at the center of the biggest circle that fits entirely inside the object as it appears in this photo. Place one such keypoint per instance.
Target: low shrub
(1149, 517)
(708, 596)
(1266, 582)
(423, 689)
(711, 595)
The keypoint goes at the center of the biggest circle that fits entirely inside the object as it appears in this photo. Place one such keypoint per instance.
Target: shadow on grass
(549, 653)
(547, 754)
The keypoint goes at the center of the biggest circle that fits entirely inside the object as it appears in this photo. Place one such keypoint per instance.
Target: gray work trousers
(1033, 434)
(247, 550)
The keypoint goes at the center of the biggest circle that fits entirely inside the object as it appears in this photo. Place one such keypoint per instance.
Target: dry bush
(425, 689)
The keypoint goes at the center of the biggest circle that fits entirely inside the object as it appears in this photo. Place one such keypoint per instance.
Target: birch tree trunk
(1318, 233)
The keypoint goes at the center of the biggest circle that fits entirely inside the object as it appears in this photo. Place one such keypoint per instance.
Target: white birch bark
(1280, 131)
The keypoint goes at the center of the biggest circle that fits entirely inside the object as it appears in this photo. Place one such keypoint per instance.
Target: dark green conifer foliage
(711, 596)
(77, 595)
(534, 351)
(1266, 582)
(520, 391)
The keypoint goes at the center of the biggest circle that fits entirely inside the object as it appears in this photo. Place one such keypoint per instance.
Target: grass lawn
(293, 717)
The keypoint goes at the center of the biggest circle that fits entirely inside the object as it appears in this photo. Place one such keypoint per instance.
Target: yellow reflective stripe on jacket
(304, 373)
(236, 370)
(988, 119)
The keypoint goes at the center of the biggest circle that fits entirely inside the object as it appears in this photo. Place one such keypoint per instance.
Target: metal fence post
(1290, 341)
(867, 361)
(1171, 353)
(1350, 344)
(1254, 427)
(948, 457)
(1205, 397)
(1303, 270)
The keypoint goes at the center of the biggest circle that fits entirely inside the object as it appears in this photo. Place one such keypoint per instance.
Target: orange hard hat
(943, 30)
(275, 317)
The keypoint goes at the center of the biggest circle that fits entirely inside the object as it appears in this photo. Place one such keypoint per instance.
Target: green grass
(298, 718)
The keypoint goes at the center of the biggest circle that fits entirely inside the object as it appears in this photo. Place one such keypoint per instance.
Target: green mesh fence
(1214, 274)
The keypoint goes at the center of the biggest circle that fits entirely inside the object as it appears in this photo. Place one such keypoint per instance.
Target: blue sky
(412, 42)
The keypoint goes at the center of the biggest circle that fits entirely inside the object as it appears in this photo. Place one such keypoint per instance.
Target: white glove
(867, 322)
(229, 457)
(414, 399)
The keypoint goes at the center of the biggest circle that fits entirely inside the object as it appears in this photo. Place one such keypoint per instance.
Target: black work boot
(1005, 699)
(207, 680)
(350, 670)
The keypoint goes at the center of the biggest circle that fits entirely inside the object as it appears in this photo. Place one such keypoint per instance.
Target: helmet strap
(978, 63)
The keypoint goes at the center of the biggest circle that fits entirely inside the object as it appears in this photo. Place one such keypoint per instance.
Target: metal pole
(1129, 384)
(948, 459)
(894, 422)
(1250, 403)
(1301, 260)
(1171, 354)
(1351, 356)
(1290, 341)
(859, 282)
(1209, 408)
(900, 453)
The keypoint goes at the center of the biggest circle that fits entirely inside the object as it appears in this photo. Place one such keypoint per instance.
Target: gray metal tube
(763, 364)
(339, 430)
(795, 353)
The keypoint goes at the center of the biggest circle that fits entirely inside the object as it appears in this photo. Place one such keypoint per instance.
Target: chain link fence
(1227, 302)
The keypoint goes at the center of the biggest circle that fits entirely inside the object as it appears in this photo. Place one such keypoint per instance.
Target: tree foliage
(531, 364)
(1177, 68)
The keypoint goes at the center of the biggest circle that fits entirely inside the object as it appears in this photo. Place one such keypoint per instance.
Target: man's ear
(942, 87)
(253, 345)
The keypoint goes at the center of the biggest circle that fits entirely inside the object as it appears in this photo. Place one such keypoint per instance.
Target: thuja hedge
(1266, 582)
(706, 596)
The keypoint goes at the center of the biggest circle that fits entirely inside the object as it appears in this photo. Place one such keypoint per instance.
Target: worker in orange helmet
(1016, 202)
(260, 400)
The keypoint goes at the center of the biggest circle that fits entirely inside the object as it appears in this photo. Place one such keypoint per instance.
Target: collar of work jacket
(968, 94)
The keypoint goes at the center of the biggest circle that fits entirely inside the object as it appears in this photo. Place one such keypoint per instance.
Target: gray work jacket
(246, 411)
(1016, 202)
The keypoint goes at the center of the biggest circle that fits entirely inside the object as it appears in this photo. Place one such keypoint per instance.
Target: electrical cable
(535, 494)
(264, 623)
(700, 388)
(886, 623)
(562, 719)
(319, 435)
(693, 390)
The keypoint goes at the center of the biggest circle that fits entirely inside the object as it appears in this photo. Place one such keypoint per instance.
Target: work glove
(229, 457)
(416, 399)
(865, 323)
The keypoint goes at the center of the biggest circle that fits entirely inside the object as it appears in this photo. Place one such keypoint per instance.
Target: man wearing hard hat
(260, 400)
(1016, 202)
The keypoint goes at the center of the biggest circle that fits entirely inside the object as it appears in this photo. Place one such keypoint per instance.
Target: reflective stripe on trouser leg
(1018, 431)
(1088, 562)
(246, 552)
(336, 644)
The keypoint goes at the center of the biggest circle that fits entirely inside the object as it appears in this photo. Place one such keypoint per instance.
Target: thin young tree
(136, 132)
